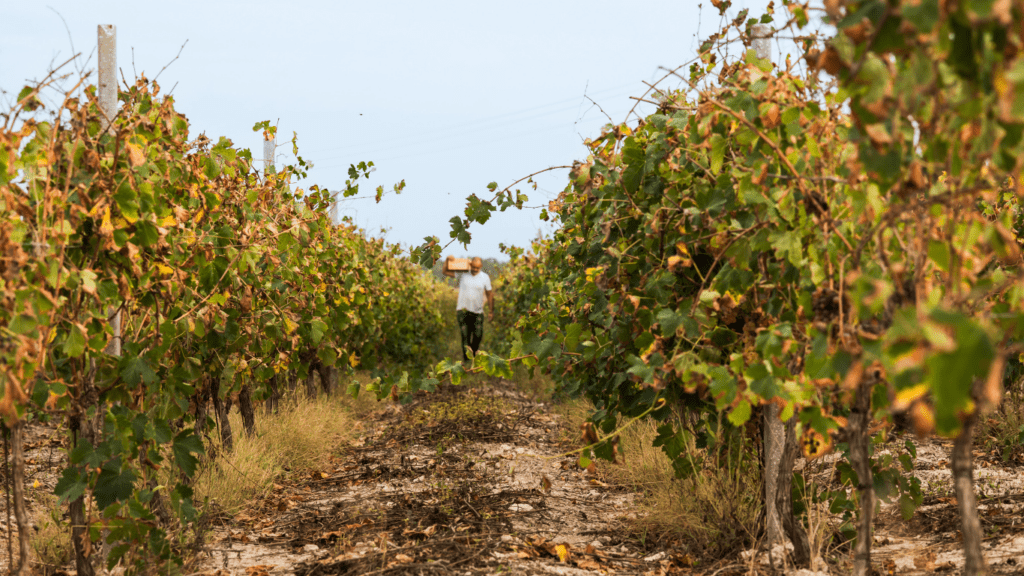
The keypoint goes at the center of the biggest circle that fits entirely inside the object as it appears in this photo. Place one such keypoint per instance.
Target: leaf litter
(484, 490)
(462, 481)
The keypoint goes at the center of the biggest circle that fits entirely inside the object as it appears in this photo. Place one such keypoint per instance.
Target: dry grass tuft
(713, 512)
(1003, 431)
(51, 540)
(302, 436)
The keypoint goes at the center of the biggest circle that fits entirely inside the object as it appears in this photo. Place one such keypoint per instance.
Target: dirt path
(474, 481)
(459, 482)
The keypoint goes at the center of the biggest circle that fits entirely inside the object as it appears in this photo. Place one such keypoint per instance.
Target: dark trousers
(471, 326)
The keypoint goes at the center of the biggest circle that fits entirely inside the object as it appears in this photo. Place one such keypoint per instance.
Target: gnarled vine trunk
(245, 408)
(226, 437)
(773, 440)
(326, 383)
(784, 498)
(81, 429)
(202, 401)
(311, 384)
(860, 460)
(274, 398)
(20, 513)
(962, 466)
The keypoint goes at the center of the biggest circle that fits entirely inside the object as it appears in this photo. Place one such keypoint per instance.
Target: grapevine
(840, 240)
(231, 284)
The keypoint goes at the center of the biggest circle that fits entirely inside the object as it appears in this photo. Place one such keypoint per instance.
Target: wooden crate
(459, 265)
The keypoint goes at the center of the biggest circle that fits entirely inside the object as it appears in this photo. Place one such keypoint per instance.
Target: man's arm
(445, 270)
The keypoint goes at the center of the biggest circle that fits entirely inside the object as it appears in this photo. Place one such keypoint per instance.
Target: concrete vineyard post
(107, 93)
(774, 430)
(269, 150)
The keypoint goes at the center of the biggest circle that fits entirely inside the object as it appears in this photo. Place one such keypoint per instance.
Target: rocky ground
(478, 481)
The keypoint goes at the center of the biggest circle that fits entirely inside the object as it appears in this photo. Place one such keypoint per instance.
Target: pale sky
(447, 95)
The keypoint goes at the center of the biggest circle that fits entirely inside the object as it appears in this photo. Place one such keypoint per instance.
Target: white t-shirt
(471, 291)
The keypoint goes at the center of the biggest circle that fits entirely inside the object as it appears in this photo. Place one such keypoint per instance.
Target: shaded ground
(931, 542)
(45, 457)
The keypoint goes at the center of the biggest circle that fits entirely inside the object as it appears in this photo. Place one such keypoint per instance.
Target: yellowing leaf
(167, 221)
(290, 326)
(562, 551)
(88, 278)
(106, 228)
(815, 444)
(353, 360)
(904, 398)
(164, 270)
(135, 155)
(198, 216)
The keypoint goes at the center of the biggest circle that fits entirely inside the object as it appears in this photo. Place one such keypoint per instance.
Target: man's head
(475, 265)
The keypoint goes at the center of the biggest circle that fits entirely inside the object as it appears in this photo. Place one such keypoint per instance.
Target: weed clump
(462, 416)
(713, 511)
(302, 436)
(51, 541)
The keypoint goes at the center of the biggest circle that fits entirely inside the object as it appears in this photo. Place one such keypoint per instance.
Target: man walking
(474, 289)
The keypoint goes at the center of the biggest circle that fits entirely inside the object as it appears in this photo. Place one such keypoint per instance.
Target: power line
(438, 150)
(618, 91)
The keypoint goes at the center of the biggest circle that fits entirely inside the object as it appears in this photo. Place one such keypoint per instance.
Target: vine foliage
(230, 283)
(838, 235)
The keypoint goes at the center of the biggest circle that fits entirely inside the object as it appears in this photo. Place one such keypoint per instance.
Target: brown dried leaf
(260, 570)
(860, 32)
(916, 176)
(831, 61)
(1002, 10)
(853, 377)
(135, 155)
(992, 388)
(589, 434)
(925, 561)
(772, 117)
(878, 134)
(922, 418)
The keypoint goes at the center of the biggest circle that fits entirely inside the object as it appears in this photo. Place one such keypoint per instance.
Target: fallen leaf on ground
(562, 551)
(260, 569)
(925, 561)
